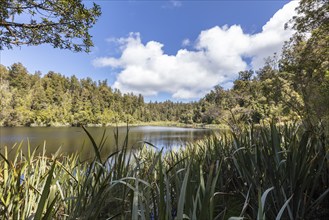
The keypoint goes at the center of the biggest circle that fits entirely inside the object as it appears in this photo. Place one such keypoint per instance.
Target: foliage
(253, 172)
(273, 172)
(34, 100)
(306, 59)
(286, 160)
(64, 24)
(292, 87)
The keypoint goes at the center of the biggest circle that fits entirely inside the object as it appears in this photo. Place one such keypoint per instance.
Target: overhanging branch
(30, 26)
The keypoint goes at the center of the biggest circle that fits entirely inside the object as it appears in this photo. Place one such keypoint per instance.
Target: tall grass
(269, 172)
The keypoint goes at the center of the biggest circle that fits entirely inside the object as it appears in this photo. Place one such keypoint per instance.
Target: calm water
(75, 139)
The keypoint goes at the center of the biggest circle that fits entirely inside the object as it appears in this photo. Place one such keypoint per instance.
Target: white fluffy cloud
(189, 74)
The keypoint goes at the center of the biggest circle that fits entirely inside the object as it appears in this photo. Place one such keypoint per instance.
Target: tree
(18, 76)
(187, 117)
(245, 75)
(216, 95)
(306, 57)
(39, 99)
(64, 24)
(4, 73)
(5, 99)
(312, 14)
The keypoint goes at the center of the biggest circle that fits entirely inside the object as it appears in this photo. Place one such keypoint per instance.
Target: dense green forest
(53, 99)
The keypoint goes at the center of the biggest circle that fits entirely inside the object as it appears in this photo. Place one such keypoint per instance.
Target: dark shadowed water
(74, 139)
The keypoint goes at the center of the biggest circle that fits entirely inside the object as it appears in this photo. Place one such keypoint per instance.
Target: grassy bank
(272, 172)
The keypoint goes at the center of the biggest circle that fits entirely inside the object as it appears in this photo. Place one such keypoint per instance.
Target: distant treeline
(56, 100)
(53, 99)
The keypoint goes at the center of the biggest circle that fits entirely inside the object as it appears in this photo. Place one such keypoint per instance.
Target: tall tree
(306, 57)
(64, 24)
(18, 76)
(312, 14)
(5, 99)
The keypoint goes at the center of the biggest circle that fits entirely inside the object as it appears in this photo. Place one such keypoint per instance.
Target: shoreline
(122, 124)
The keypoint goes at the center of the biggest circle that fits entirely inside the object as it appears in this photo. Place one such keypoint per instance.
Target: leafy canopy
(64, 24)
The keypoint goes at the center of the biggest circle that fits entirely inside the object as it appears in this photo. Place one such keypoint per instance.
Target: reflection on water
(168, 136)
(74, 139)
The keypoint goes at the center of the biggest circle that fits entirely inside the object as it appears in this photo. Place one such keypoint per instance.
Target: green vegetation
(63, 24)
(258, 170)
(273, 172)
(56, 100)
(292, 87)
(32, 100)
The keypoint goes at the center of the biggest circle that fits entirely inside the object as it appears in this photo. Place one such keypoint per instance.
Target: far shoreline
(122, 124)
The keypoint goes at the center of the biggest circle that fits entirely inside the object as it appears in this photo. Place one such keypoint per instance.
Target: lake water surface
(74, 139)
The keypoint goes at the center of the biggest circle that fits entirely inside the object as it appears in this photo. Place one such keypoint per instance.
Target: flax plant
(265, 173)
(287, 166)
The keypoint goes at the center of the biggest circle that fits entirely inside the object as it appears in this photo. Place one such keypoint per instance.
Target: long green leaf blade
(45, 192)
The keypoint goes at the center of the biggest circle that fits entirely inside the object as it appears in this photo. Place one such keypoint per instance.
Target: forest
(272, 92)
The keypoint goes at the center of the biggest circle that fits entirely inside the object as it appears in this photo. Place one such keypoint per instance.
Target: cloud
(217, 57)
(273, 35)
(186, 42)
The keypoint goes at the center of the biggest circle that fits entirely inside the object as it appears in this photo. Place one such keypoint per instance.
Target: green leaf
(181, 200)
(48, 213)
(278, 217)
(98, 155)
(135, 201)
(261, 214)
(45, 193)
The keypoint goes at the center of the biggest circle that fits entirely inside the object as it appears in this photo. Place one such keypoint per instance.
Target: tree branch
(30, 26)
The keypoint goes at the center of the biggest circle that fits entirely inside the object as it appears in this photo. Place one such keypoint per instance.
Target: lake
(72, 139)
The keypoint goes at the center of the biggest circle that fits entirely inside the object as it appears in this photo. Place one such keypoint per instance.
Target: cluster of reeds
(269, 172)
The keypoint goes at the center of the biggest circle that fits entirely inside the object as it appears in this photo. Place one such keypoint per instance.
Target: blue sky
(176, 50)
